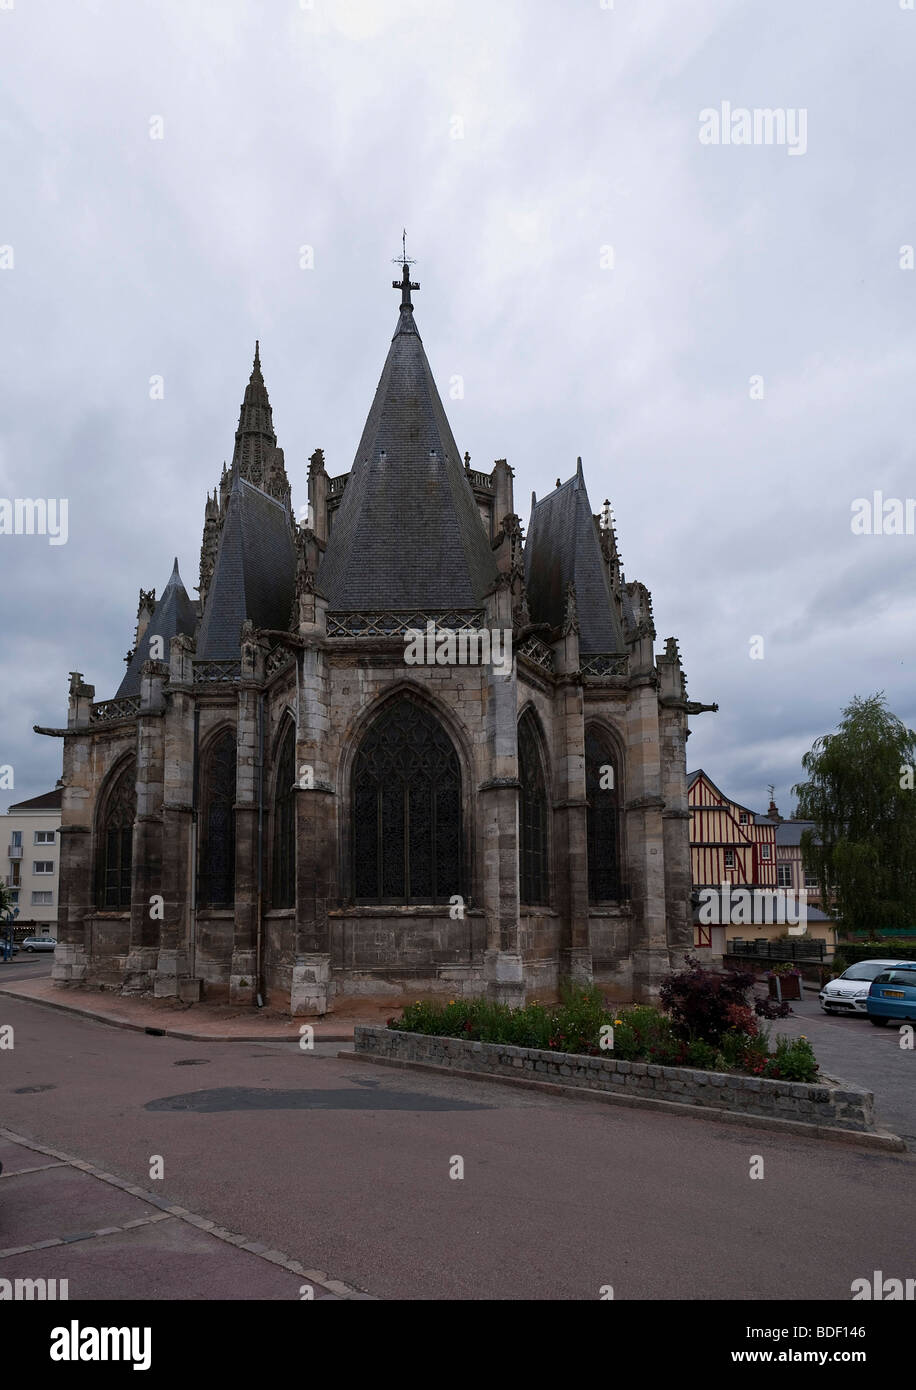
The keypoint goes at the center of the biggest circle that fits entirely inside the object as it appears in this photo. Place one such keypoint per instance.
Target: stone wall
(406, 941)
(841, 1106)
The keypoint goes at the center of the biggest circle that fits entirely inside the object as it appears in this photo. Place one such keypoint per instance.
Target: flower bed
(827, 1104)
(708, 1024)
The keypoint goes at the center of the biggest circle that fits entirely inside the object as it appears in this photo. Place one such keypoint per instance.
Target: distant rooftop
(789, 832)
(48, 801)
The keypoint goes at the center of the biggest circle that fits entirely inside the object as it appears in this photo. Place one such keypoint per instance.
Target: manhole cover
(192, 1062)
(31, 1090)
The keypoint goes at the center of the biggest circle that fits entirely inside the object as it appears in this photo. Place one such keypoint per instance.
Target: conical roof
(407, 534)
(255, 572)
(562, 548)
(175, 612)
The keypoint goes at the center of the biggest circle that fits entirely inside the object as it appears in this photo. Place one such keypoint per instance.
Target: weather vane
(403, 259)
(405, 284)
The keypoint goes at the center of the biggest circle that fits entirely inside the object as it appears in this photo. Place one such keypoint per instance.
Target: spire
(255, 440)
(407, 533)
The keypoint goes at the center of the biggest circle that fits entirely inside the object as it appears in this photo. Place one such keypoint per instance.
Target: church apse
(403, 747)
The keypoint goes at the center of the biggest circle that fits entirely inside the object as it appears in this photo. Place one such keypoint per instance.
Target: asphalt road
(871, 1057)
(346, 1167)
(26, 965)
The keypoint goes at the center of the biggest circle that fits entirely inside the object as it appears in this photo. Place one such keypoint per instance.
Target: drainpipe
(259, 941)
(192, 895)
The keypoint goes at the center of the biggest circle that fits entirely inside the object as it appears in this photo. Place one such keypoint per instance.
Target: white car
(39, 943)
(848, 992)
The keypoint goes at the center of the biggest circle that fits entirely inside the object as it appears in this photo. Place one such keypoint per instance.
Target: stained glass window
(216, 886)
(534, 877)
(603, 818)
(114, 840)
(406, 810)
(283, 890)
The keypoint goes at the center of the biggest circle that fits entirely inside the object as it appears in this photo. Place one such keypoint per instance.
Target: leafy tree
(861, 797)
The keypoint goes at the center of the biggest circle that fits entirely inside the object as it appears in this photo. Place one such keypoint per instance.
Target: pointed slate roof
(562, 548)
(175, 612)
(408, 533)
(255, 439)
(255, 572)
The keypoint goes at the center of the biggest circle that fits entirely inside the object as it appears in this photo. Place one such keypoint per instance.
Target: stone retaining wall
(837, 1104)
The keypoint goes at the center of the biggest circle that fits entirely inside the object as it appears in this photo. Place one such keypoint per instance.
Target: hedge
(885, 949)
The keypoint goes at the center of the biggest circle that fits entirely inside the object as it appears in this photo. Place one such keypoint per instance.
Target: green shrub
(793, 1060)
(627, 1045)
(701, 1054)
(734, 1048)
(574, 1025)
(644, 1033)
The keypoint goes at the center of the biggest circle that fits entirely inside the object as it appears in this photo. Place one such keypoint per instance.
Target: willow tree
(861, 796)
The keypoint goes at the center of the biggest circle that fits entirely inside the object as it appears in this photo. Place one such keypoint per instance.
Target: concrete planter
(837, 1105)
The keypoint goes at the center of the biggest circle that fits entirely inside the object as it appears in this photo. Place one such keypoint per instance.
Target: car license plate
(893, 993)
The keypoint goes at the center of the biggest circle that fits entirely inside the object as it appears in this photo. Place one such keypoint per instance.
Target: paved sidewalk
(195, 1022)
(64, 1219)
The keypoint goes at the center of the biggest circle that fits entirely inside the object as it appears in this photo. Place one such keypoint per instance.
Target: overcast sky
(517, 140)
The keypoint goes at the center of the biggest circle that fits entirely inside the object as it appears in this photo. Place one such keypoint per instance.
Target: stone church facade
(292, 799)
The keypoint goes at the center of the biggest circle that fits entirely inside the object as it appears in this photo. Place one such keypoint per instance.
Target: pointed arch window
(602, 790)
(532, 844)
(406, 810)
(283, 882)
(114, 840)
(216, 885)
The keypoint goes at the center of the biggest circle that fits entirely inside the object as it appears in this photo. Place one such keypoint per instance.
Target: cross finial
(405, 284)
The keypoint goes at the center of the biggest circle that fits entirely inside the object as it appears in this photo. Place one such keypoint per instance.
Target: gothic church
(276, 808)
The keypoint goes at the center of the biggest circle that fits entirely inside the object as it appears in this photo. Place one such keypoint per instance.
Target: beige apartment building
(31, 849)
